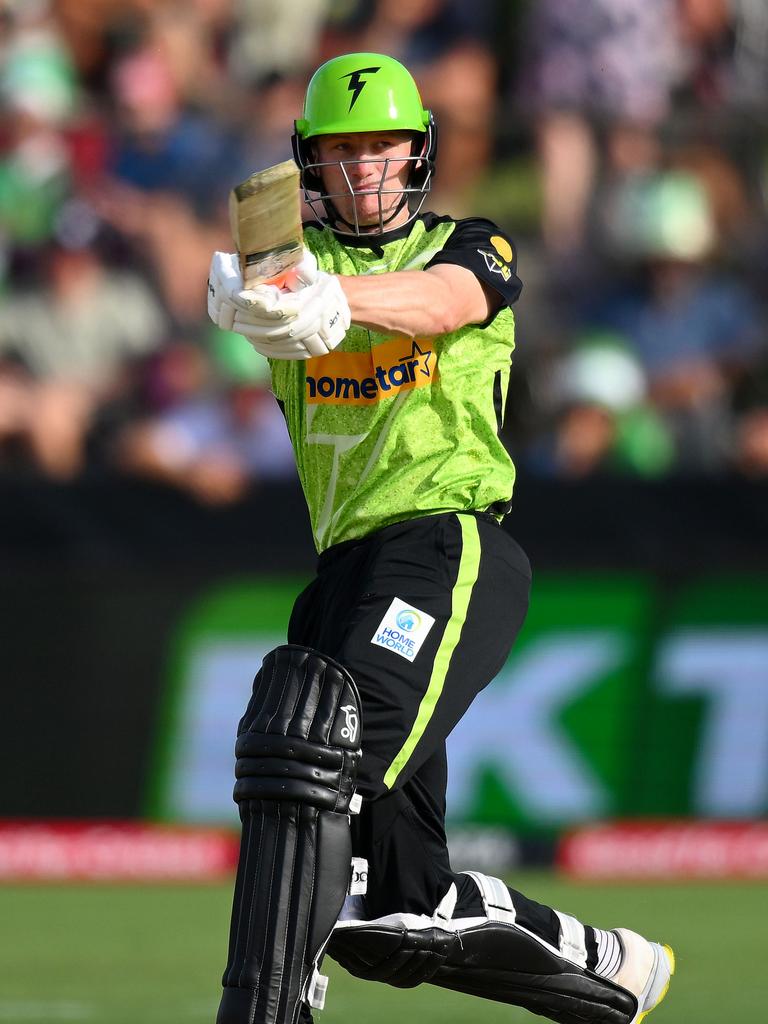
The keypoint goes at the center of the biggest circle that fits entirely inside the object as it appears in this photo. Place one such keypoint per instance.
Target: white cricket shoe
(646, 971)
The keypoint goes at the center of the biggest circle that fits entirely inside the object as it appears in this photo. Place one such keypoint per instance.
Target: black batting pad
(298, 748)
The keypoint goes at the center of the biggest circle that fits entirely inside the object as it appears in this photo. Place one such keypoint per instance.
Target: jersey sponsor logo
(364, 378)
(498, 261)
(403, 629)
(356, 83)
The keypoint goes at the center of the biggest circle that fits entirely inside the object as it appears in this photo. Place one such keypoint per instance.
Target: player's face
(366, 173)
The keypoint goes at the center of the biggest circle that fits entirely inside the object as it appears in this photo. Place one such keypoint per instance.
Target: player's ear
(305, 153)
(424, 146)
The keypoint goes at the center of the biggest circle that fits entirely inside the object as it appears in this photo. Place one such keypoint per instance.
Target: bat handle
(280, 280)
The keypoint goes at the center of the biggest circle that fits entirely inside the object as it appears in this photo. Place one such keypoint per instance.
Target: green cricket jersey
(388, 428)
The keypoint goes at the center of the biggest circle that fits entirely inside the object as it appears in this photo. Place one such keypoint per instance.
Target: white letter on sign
(731, 668)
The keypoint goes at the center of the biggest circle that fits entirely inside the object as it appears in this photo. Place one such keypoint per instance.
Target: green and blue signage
(622, 698)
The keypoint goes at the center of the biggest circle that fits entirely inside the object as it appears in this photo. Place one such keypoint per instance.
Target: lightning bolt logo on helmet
(356, 84)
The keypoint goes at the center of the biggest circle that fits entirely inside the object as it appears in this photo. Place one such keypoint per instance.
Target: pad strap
(572, 939)
(497, 900)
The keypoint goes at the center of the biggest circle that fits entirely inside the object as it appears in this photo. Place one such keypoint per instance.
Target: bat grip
(280, 280)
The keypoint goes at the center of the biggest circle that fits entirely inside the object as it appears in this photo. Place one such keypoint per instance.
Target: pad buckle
(358, 883)
(318, 986)
(355, 803)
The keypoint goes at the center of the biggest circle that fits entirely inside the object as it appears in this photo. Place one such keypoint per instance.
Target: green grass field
(153, 954)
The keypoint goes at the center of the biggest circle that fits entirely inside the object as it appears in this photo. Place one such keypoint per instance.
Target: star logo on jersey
(422, 358)
(499, 259)
(357, 84)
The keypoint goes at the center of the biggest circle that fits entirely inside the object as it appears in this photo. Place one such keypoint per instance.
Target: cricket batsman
(390, 354)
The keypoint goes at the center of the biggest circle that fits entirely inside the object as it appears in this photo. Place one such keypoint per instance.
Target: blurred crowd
(622, 143)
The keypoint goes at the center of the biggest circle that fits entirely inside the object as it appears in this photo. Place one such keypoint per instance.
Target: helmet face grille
(413, 194)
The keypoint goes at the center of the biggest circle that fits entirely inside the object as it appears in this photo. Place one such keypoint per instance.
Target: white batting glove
(227, 293)
(229, 305)
(317, 318)
(308, 318)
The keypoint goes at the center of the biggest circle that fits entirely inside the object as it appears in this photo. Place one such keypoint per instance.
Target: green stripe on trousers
(469, 566)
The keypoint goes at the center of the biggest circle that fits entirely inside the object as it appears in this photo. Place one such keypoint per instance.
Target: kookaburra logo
(356, 85)
(349, 732)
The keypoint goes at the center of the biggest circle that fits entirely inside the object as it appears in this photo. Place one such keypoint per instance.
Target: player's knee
(300, 736)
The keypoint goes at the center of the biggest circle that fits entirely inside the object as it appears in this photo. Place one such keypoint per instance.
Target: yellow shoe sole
(671, 960)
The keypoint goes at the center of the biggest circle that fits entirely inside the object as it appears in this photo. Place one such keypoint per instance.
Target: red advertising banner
(666, 850)
(114, 851)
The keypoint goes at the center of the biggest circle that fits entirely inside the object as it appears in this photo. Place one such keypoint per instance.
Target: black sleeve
(487, 251)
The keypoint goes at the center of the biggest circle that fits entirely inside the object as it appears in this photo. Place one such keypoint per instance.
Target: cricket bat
(265, 219)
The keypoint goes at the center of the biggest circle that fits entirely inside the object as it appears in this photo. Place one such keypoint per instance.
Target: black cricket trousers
(423, 614)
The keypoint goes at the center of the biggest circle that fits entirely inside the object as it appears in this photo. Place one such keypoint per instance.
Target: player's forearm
(409, 302)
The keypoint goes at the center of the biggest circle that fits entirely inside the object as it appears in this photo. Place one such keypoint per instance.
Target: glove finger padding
(257, 325)
(304, 273)
(221, 278)
(316, 345)
(265, 301)
(222, 313)
(225, 269)
(284, 350)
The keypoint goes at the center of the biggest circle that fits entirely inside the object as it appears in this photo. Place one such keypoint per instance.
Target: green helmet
(361, 92)
(364, 92)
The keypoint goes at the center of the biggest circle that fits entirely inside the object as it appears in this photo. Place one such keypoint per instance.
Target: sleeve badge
(498, 259)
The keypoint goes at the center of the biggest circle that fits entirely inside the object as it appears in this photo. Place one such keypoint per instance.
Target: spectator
(38, 94)
(72, 337)
(275, 38)
(603, 423)
(751, 443)
(216, 445)
(695, 329)
(161, 145)
(594, 61)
